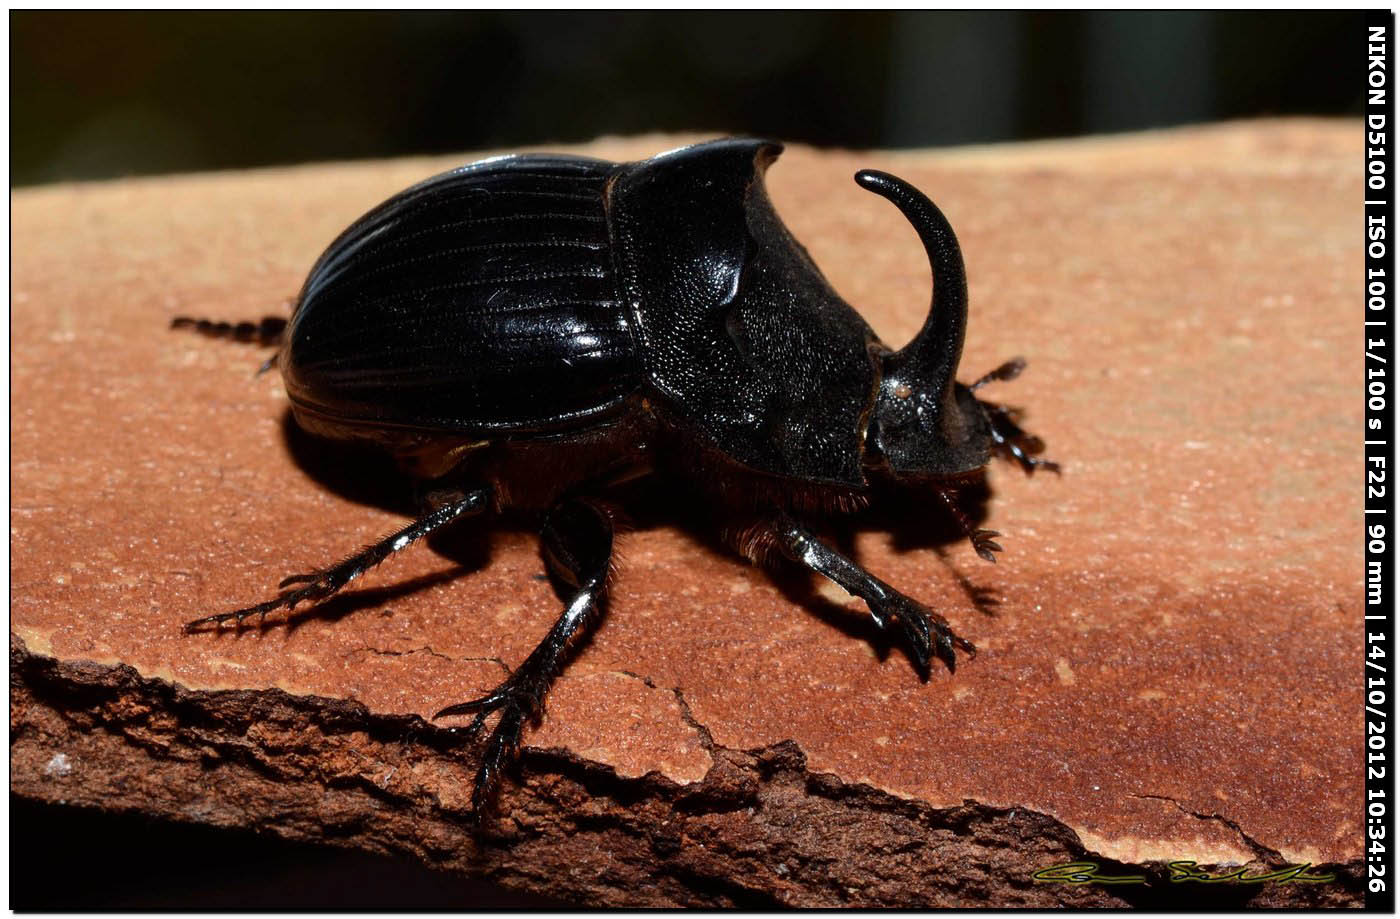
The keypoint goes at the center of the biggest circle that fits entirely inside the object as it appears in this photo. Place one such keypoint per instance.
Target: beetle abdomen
(481, 301)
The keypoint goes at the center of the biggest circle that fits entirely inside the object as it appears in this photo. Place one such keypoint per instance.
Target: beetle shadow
(916, 520)
(356, 472)
(800, 588)
(370, 476)
(916, 523)
(650, 503)
(367, 475)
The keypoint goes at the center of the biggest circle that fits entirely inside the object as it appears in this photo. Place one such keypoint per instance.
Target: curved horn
(934, 353)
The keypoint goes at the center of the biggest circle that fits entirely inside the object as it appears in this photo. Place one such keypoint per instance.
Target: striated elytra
(528, 332)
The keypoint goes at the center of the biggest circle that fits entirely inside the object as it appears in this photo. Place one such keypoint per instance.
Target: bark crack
(650, 683)
(707, 739)
(1261, 851)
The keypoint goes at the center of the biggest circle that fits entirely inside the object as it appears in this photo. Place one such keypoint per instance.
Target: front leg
(1007, 436)
(921, 628)
(577, 539)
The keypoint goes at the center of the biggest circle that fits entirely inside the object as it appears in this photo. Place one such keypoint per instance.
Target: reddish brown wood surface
(1172, 671)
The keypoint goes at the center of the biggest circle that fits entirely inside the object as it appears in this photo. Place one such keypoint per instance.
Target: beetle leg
(983, 541)
(577, 540)
(321, 584)
(1007, 436)
(267, 331)
(921, 627)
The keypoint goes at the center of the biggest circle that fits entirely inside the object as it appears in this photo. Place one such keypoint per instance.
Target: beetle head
(926, 424)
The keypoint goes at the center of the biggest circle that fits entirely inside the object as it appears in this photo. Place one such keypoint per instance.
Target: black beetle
(529, 331)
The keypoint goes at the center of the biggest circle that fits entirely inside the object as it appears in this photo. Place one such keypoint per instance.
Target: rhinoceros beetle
(528, 331)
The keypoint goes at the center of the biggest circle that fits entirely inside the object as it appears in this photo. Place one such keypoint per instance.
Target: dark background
(97, 94)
